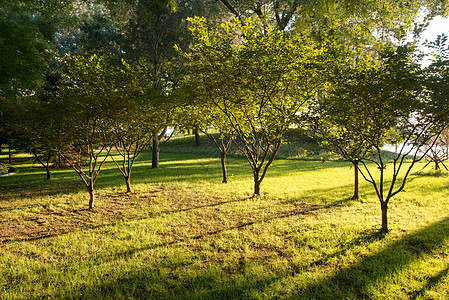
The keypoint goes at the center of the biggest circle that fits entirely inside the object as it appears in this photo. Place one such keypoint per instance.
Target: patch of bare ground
(33, 218)
(24, 216)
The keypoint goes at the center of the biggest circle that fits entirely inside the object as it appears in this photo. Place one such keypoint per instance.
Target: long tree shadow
(204, 285)
(81, 219)
(353, 282)
(431, 282)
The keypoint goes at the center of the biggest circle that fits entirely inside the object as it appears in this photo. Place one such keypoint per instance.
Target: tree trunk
(155, 158)
(128, 184)
(90, 188)
(437, 166)
(47, 168)
(356, 180)
(384, 207)
(9, 155)
(197, 136)
(223, 167)
(256, 183)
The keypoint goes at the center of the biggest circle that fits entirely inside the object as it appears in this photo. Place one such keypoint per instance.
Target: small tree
(337, 137)
(387, 98)
(437, 85)
(138, 117)
(36, 133)
(209, 120)
(89, 96)
(258, 80)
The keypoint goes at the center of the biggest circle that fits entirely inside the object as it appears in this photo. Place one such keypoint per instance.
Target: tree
(348, 17)
(34, 132)
(257, 80)
(332, 123)
(389, 99)
(437, 86)
(207, 119)
(139, 116)
(27, 31)
(22, 61)
(90, 95)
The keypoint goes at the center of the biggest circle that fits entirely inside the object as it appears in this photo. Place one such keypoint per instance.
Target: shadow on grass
(431, 282)
(10, 195)
(182, 280)
(353, 282)
(46, 220)
(305, 210)
(81, 219)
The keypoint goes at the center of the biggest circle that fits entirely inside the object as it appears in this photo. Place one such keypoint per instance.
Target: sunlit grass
(182, 234)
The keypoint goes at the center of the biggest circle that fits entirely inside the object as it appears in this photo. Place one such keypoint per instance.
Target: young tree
(35, 133)
(207, 119)
(258, 80)
(381, 99)
(437, 87)
(90, 96)
(331, 124)
(138, 117)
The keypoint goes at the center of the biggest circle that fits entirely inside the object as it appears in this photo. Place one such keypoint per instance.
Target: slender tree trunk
(90, 189)
(384, 207)
(155, 158)
(256, 183)
(47, 168)
(437, 166)
(197, 136)
(9, 155)
(223, 167)
(356, 180)
(128, 184)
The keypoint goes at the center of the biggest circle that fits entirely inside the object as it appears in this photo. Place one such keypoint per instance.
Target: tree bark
(197, 136)
(128, 184)
(9, 155)
(384, 207)
(223, 167)
(437, 166)
(90, 189)
(256, 183)
(47, 168)
(356, 180)
(155, 158)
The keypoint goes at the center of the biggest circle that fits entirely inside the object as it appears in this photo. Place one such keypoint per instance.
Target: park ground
(182, 234)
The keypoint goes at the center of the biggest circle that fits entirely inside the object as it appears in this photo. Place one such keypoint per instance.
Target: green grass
(182, 234)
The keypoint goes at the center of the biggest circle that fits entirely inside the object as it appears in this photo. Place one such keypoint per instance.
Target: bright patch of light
(437, 26)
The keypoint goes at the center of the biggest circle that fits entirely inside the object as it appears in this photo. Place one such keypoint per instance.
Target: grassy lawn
(182, 234)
